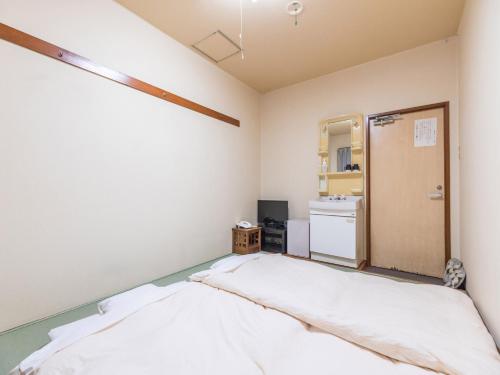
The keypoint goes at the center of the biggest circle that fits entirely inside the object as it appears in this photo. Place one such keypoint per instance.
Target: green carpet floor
(17, 344)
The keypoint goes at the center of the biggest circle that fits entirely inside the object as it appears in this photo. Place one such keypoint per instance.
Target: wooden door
(409, 192)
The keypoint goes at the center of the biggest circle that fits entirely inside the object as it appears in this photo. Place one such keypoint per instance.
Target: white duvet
(425, 325)
(206, 328)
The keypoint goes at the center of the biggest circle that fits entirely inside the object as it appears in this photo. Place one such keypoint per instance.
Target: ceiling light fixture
(294, 8)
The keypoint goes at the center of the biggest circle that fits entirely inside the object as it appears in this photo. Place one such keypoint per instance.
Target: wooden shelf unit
(344, 174)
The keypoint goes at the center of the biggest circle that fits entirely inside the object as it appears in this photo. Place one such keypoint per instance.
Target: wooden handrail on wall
(45, 48)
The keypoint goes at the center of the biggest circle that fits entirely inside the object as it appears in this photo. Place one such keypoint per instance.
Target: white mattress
(203, 330)
(426, 325)
(208, 328)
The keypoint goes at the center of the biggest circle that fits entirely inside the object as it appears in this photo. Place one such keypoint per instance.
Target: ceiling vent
(217, 47)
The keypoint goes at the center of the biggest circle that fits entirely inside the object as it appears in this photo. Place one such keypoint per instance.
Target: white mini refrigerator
(298, 237)
(336, 235)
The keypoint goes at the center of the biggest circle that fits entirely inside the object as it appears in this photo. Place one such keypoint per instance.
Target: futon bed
(271, 314)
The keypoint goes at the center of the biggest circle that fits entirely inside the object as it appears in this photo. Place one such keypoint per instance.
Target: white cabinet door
(333, 235)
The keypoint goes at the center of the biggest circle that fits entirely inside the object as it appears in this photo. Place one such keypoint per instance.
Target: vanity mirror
(341, 155)
(339, 146)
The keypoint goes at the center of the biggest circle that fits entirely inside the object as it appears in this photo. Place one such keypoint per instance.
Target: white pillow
(225, 265)
(124, 299)
(54, 333)
(235, 261)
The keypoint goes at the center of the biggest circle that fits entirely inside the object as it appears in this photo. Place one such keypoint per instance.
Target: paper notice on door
(425, 132)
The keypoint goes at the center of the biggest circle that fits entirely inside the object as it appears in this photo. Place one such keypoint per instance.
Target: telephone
(244, 224)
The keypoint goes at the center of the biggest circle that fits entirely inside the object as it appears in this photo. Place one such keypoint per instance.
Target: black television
(275, 210)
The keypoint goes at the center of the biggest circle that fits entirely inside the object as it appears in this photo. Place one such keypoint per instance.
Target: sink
(351, 203)
(336, 230)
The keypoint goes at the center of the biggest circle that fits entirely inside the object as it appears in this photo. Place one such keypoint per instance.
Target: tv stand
(274, 239)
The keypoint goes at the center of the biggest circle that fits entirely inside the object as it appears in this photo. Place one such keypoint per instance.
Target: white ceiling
(331, 34)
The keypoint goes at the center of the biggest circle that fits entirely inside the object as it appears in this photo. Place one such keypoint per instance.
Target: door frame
(446, 125)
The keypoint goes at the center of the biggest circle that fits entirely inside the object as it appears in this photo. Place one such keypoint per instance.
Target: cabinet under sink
(336, 231)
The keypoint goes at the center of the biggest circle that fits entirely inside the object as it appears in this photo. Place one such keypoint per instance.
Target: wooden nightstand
(246, 241)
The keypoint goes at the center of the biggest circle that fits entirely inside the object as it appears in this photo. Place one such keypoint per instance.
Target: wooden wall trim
(32, 43)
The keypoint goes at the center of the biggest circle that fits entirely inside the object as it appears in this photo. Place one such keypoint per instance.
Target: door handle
(435, 195)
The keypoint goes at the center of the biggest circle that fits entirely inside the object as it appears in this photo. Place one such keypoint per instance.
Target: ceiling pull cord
(241, 30)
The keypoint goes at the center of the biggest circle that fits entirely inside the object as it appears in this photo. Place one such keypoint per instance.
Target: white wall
(103, 187)
(480, 156)
(290, 117)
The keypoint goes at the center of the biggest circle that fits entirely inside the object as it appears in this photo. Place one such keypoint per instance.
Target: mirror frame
(347, 183)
